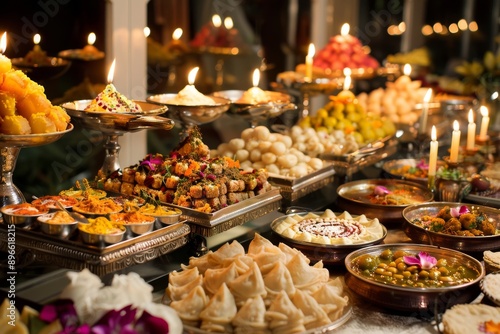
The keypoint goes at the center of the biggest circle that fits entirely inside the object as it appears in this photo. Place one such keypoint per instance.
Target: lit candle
(346, 95)
(189, 95)
(5, 63)
(147, 32)
(255, 94)
(347, 78)
(425, 111)
(309, 62)
(177, 34)
(455, 142)
(36, 40)
(471, 132)
(483, 132)
(403, 81)
(433, 154)
(344, 31)
(228, 23)
(216, 21)
(90, 48)
(111, 72)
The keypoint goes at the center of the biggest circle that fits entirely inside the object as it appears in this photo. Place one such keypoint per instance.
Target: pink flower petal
(455, 212)
(411, 260)
(426, 261)
(464, 209)
(380, 190)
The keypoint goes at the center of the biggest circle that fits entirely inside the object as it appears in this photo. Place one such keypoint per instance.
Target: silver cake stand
(192, 115)
(10, 146)
(257, 112)
(113, 125)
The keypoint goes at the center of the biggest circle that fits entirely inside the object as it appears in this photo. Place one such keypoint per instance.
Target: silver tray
(348, 164)
(208, 224)
(293, 188)
(74, 254)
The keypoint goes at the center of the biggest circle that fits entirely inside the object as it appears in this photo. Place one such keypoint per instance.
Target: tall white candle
(425, 111)
(483, 132)
(433, 154)
(309, 62)
(471, 132)
(455, 142)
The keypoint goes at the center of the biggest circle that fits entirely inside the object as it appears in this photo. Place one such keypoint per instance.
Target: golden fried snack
(15, 125)
(40, 123)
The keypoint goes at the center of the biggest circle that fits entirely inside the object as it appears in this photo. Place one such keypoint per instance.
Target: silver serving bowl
(53, 67)
(413, 299)
(61, 230)
(32, 139)
(101, 239)
(20, 221)
(354, 197)
(140, 228)
(169, 219)
(461, 243)
(198, 114)
(276, 104)
(329, 254)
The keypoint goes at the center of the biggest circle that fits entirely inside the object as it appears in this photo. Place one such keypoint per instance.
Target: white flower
(134, 287)
(168, 314)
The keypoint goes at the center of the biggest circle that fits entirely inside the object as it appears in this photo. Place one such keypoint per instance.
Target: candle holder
(452, 165)
(114, 125)
(451, 185)
(470, 151)
(482, 140)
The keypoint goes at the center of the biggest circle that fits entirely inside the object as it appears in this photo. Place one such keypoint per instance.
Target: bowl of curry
(413, 277)
(465, 227)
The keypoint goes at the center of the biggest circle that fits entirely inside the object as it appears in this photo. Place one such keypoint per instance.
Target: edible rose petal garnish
(423, 260)
(456, 212)
(380, 190)
(422, 165)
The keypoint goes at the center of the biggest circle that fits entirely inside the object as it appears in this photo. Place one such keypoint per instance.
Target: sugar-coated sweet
(16, 83)
(32, 104)
(15, 125)
(7, 104)
(40, 123)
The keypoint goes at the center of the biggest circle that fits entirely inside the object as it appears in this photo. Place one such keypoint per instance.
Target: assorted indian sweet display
(268, 288)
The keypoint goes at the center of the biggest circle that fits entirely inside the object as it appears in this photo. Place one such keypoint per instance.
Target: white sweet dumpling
(242, 263)
(291, 252)
(284, 316)
(248, 285)
(219, 312)
(199, 262)
(258, 244)
(179, 278)
(268, 257)
(190, 307)
(179, 292)
(227, 251)
(331, 301)
(304, 276)
(279, 280)
(214, 278)
(314, 315)
(251, 317)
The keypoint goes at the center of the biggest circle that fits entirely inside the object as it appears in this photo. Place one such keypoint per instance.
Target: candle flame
(3, 42)
(428, 95)
(111, 72)
(433, 133)
(91, 39)
(456, 126)
(147, 32)
(177, 34)
(256, 77)
(228, 23)
(216, 21)
(484, 111)
(37, 38)
(311, 51)
(407, 69)
(192, 75)
(471, 116)
(494, 96)
(344, 31)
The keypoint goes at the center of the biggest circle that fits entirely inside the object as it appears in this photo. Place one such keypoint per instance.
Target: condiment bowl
(12, 215)
(406, 298)
(166, 216)
(101, 239)
(59, 229)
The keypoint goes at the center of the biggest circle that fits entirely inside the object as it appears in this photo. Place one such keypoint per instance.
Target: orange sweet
(7, 104)
(40, 123)
(5, 64)
(15, 125)
(16, 83)
(33, 103)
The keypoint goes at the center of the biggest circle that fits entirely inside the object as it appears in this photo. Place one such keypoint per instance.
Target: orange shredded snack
(131, 218)
(101, 225)
(97, 206)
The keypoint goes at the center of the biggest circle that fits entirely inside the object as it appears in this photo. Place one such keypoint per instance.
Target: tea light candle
(189, 95)
(111, 72)
(471, 132)
(90, 48)
(346, 94)
(483, 132)
(433, 154)
(344, 32)
(36, 40)
(403, 81)
(425, 111)
(309, 62)
(255, 94)
(455, 142)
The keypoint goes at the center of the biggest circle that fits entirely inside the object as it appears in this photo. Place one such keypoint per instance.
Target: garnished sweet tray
(208, 224)
(74, 254)
(293, 188)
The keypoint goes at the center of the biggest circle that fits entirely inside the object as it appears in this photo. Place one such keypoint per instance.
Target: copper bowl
(461, 243)
(353, 197)
(392, 169)
(413, 299)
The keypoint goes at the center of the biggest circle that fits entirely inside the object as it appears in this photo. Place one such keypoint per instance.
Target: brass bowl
(412, 299)
(329, 254)
(60, 230)
(391, 169)
(353, 198)
(461, 243)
